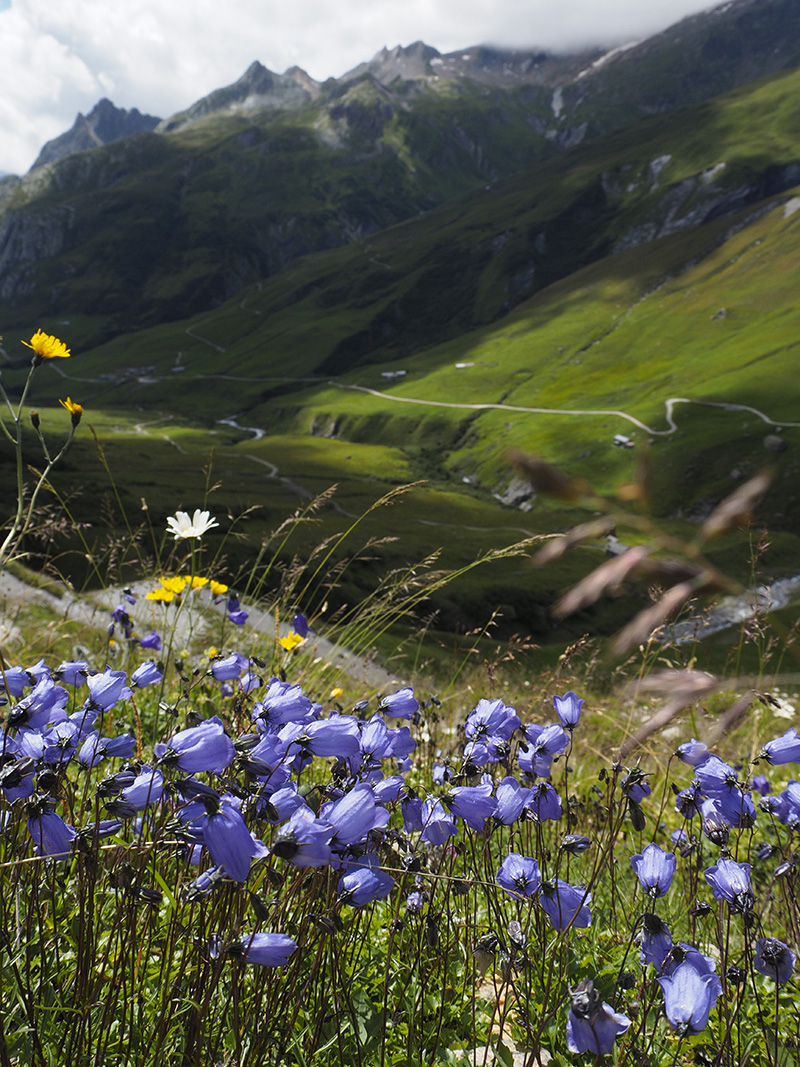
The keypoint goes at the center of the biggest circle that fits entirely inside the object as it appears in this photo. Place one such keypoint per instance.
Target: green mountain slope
(159, 226)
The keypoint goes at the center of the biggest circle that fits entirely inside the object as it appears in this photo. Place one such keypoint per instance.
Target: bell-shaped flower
(282, 703)
(14, 681)
(205, 747)
(363, 884)
(387, 790)
(151, 641)
(714, 776)
(17, 778)
(72, 672)
(400, 705)
(43, 706)
(592, 1024)
(519, 875)
(411, 809)
(264, 949)
(654, 868)
(492, 718)
(148, 673)
(784, 749)
(693, 752)
(335, 736)
(472, 803)
(437, 823)
(688, 802)
(511, 798)
(689, 996)
(60, 743)
(51, 835)
(655, 941)
(226, 668)
(229, 841)
(96, 748)
(730, 881)
(107, 689)
(354, 815)
(565, 905)
(146, 788)
(575, 843)
(304, 840)
(568, 708)
(544, 803)
(774, 959)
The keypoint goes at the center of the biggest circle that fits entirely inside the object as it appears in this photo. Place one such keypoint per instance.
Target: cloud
(61, 58)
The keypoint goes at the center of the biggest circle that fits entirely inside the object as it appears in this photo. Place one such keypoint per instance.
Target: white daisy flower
(181, 526)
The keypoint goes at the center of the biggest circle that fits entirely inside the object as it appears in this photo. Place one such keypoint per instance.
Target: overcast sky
(59, 57)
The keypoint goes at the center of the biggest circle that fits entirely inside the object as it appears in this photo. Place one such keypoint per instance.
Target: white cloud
(61, 58)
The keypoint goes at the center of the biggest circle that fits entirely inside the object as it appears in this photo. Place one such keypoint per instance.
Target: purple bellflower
(362, 885)
(51, 835)
(544, 803)
(693, 752)
(437, 823)
(784, 749)
(655, 941)
(300, 625)
(472, 803)
(148, 673)
(654, 868)
(205, 747)
(689, 996)
(592, 1024)
(304, 840)
(519, 875)
(568, 709)
(264, 950)
(151, 641)
(107, 689)
(511, 798)
(730, 881)
(565, 905)
(354, 815)
(400, 705)
(230, 842)
(774, 959)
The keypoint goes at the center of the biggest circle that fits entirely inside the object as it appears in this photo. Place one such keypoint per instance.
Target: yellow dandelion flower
(217, 588)
(197, 583)
(166, 595)
(211, 652)
(337, 692)
(174, 585)
(74, 409)
(46, 346)
(291, 641)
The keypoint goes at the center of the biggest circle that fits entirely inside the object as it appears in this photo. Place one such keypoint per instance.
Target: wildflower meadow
(211, 855)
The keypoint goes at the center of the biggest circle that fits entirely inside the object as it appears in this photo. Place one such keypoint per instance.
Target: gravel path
(94, 610)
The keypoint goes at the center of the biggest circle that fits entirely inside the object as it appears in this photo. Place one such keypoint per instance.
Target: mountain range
(404, 272)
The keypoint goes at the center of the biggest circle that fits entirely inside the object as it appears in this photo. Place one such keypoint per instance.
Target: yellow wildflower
(197, 583)
(291, 641)
(211, 652)
(336, 692)
(217, 588)
(174, 585)
(46, 346)
(161, 594)
(74, 409)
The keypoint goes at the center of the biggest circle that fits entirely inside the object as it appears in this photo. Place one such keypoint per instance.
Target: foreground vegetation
(217, 849)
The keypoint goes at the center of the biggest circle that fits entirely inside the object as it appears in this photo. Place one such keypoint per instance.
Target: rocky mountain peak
(104, 123)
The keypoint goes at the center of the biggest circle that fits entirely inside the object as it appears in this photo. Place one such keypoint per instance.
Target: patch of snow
(657, 165)
(605, 58)
(710, 174)
(791, 206)
(557, 103)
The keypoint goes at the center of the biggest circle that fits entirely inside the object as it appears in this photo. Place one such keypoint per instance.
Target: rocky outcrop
(257, 87)
(104, 124)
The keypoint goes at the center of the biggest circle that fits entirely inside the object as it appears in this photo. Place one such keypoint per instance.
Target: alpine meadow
(400, 565)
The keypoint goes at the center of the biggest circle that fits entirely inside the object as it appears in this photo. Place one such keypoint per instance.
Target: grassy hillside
(705, 312)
